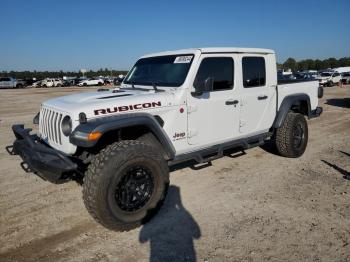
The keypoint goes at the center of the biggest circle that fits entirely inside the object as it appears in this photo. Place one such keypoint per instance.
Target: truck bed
(294, 87)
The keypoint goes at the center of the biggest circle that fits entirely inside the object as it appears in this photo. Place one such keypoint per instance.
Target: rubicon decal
(110, 110)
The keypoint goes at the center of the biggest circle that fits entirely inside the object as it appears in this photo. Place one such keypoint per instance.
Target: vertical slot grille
(50, 125)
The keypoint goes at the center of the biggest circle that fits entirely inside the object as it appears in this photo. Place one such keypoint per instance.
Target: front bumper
(39, 158)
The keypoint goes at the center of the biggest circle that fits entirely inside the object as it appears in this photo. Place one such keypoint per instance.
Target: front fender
(103, 125)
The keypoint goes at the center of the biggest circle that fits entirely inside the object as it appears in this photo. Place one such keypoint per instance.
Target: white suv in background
(329, 78)
(346, 78)
(51, 82)
(8, 82)
(57, 82)
(92, 82)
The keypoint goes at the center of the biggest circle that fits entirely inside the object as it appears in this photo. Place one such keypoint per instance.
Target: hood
(96, 104)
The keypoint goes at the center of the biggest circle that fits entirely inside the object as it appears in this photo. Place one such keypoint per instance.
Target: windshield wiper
(154, 85)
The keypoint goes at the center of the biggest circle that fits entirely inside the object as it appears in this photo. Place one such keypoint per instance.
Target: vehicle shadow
(339, 102)
(346, 174)
(270, 148)
(171, 233)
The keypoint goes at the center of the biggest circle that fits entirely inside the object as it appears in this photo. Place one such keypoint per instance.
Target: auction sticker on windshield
(183, 59)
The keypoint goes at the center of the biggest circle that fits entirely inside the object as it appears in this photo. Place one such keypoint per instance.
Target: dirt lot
(254, 207)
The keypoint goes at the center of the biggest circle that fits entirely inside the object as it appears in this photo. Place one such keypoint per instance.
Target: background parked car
(69, 82)
(37, 83)
(282, 77)
(48, 82)
(78, 80)
(29, 81)
(51, 82)
(21, 83)
(329, 78)
(92, 82)
(10, 82)
(346, 78)
(119, 79)
(57, 82)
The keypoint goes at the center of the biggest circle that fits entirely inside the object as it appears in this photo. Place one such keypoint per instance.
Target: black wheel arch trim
(287, 104)
(110, 123)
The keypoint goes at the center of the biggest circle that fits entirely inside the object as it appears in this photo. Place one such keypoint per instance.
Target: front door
(213, 116)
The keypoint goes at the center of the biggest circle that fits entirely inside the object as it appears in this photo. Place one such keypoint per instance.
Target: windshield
(161, 70)
(326, 74)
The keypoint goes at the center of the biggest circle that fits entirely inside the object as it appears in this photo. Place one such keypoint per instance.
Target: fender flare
(105, 124)
(286, 105)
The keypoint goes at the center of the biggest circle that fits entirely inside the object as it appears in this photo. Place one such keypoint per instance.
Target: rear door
(258, 95)
(213, 117)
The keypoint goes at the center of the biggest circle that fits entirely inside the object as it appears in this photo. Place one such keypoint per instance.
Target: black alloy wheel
(134, 189)
(298, 136)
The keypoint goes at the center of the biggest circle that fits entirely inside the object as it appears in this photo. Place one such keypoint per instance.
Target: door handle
(262, 97)
(231, 102)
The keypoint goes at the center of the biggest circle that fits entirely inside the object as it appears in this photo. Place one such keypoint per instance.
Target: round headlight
(66, 125)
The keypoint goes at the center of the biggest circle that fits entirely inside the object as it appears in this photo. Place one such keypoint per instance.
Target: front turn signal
(94, 136)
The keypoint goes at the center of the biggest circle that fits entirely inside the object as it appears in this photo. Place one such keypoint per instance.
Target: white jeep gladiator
(172, 107)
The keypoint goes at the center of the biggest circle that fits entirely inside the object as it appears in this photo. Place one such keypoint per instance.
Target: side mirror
(206, 86)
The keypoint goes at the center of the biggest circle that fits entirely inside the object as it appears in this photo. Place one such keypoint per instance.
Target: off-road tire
(320, 92)
(284, 138)
(151, 140)
(106, 172)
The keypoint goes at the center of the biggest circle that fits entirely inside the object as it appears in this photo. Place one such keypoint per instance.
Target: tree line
(290, 63)
(311, 64)
(60, 74)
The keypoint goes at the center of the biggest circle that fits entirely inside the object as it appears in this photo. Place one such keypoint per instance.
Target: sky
(71, 35)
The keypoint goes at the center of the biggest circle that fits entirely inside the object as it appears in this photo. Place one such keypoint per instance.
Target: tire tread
(92, 189)
(282, 139)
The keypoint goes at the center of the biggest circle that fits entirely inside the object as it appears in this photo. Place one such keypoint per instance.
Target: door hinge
(191, 108)
(192, 133)
(242, 123)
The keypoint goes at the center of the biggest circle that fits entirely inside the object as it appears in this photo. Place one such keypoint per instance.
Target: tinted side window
(254, 72)
(218, 68)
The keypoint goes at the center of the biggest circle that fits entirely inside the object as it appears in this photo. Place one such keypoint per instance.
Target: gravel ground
(254, 206)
